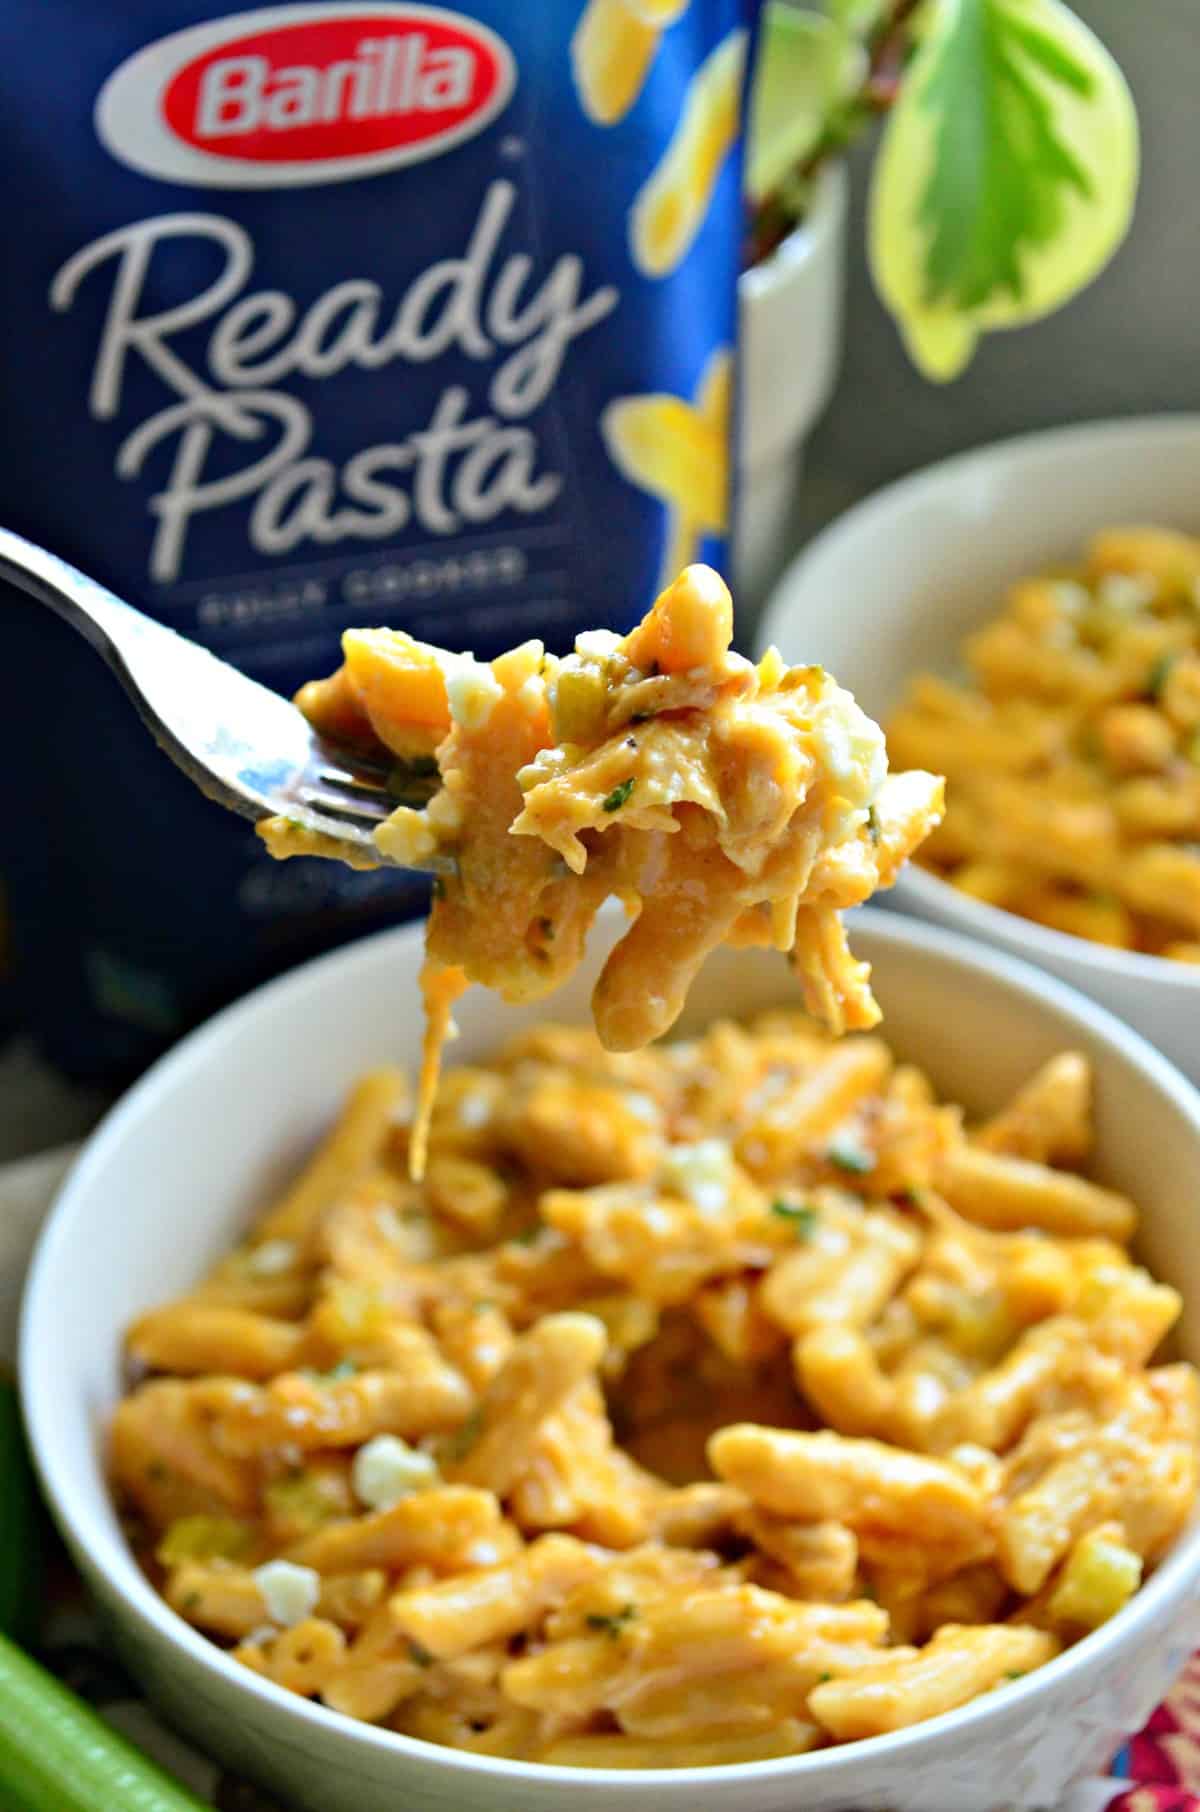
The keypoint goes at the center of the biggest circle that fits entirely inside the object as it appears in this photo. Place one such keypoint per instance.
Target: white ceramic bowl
(894, 586)
(168, 1181)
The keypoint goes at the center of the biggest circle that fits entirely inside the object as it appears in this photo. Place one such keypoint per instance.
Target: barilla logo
(304, 94)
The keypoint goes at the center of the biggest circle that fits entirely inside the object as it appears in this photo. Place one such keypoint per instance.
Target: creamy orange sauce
(717, 799)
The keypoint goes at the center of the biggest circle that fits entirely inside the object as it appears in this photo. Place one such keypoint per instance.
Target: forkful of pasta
(718, 799)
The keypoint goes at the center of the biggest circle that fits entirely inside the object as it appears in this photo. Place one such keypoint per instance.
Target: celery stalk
(57, 1755)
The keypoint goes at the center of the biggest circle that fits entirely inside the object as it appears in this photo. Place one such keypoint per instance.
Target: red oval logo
(345, 87)
(305, 92)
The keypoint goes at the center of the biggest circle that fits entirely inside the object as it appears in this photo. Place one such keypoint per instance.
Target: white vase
(790, 326)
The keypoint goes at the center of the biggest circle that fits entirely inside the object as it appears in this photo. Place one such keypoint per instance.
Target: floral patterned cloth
(1165, 1758)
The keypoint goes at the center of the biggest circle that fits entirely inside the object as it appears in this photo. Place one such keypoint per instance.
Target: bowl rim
(1041, 446)
(981, 920)
(809, 237)
(1177, 1574)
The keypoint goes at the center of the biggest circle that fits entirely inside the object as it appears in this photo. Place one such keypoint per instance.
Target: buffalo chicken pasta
(709, 1403)
(1073, 752)
(719, 800)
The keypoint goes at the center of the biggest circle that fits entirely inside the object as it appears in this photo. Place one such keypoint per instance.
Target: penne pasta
(446, 1462)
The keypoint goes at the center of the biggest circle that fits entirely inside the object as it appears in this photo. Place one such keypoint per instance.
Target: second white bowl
(894, 586)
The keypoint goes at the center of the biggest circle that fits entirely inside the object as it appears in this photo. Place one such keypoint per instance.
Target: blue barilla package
(323, 315)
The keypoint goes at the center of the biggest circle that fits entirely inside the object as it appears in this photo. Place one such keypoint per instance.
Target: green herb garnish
(802, 1216)
(345, 1368)
(616, 799)
(418, 1653)
(463, 1439)
(1158, 675)
(850, 1157)
(611, 1622)
(1015, 1673)
(872, 824)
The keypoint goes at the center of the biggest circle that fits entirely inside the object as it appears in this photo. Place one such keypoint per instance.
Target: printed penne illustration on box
(343, 314)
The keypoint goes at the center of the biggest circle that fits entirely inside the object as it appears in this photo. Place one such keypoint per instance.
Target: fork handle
(104, 620)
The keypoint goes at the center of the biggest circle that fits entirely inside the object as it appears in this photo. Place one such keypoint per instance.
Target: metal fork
(244, 746)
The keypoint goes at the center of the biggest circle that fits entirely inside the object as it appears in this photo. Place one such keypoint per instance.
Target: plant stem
(887, 49)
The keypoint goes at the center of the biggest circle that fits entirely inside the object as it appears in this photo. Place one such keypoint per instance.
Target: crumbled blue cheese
(599, 643)
(289, 1592)
(389, 1224)
(532, 693)
(406, 837)
(272, 1258)
(1125, 591)
(474, 1110)
(643, 1107)
(387, 1469)
(703, 1173)
(851, 744)
(1071, 596)
(471, 688)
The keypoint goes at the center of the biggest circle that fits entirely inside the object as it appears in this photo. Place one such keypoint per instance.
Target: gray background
(1129, 345)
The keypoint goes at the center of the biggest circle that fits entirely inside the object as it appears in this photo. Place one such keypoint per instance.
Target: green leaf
(807, 66)
(1007, 174)
(1000, 165)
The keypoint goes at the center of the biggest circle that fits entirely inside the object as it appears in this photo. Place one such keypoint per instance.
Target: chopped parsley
(617, 798)
(802, 1216)
(1158, 675)
(190, 1601)
(345, 1368)
(821, 1678)
(1015, 1673)
(611, 1622)
(872, 824)
(418, 1653)
(463, 1439)
(851, 1157)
